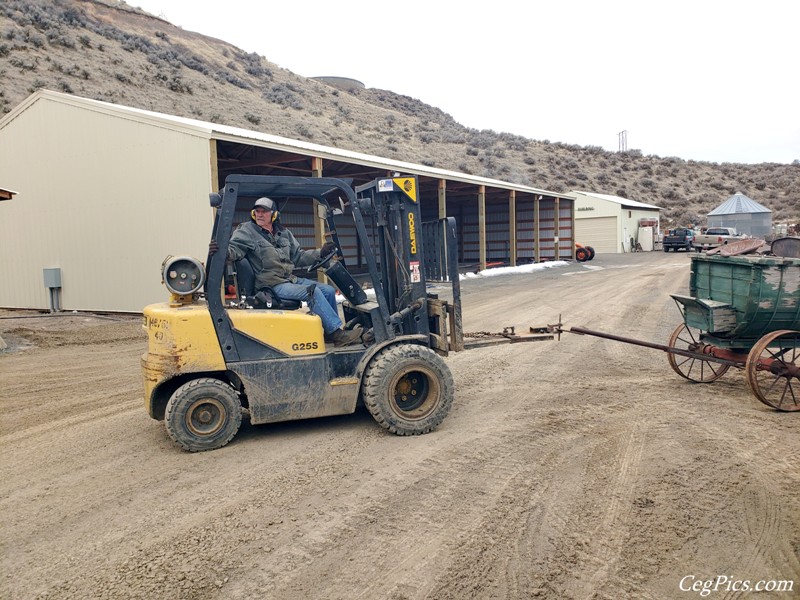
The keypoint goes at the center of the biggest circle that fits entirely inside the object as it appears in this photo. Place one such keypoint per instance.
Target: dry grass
(112, 52)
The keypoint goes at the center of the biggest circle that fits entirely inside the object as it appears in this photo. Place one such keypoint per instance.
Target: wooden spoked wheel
(693, 369)
(773, 370)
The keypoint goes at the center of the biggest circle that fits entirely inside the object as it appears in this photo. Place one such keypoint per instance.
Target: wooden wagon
(744, 312)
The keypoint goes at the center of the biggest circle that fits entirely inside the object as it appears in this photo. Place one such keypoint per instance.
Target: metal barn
(106, 192)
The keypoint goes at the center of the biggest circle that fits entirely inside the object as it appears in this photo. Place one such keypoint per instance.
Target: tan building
(106, 192)
(609, 223)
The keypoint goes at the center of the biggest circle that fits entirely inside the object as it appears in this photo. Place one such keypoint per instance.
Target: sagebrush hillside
(110, 51)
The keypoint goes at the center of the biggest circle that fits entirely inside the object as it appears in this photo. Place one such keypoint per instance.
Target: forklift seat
(267, 298)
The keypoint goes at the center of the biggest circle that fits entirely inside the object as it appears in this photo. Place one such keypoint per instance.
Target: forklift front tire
(408, 389)
(203, 414)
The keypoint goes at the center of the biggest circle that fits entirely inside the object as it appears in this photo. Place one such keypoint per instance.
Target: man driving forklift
(209, 361)
(273, 253)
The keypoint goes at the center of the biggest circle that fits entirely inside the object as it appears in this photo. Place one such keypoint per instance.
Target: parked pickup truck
(716, 236)
(678, 238)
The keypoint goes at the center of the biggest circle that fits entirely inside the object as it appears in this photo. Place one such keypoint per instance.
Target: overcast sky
(702, 79)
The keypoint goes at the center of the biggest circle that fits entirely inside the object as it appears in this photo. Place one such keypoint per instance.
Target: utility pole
(623, 140)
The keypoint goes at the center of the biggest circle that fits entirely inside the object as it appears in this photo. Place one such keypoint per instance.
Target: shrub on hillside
(281, 94)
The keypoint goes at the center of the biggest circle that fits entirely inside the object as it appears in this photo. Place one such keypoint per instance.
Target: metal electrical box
(52, 278)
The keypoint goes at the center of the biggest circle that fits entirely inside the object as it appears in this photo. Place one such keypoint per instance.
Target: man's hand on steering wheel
(326, 253)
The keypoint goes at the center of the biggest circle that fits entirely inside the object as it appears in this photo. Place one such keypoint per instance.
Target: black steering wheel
(322, 262)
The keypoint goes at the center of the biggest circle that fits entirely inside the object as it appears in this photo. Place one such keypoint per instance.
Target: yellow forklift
(213, 357)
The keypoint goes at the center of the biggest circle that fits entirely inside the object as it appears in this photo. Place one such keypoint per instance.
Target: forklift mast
(394, 207)
(410, 255)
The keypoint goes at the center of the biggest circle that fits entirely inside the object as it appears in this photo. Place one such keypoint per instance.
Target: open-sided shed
(106, 192)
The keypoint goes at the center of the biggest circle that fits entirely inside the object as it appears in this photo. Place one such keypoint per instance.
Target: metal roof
(618, 200)
(738, 204)
(256, 138)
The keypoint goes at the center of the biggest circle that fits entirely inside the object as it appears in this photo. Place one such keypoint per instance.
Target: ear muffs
(275, 215)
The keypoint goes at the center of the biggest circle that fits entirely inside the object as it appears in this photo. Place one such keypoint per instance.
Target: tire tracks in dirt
(565, 470)
(771, 534)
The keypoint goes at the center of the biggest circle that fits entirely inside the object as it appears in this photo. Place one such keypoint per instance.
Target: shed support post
(212, 147)
(482, 225)
(537, 254)
(572, 239)
(442, 198)
(512, 227)
(556, 229)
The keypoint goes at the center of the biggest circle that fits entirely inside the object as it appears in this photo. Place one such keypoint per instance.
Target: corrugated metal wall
(549, 229)
(566, 222)
(497, 239)
(755, 224)
(105, 211)
(526, 230)
(498, 248)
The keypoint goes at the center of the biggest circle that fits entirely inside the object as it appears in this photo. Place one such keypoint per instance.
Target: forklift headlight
(183, 275)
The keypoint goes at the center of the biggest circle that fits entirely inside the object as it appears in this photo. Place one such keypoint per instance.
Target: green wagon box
(739, 299)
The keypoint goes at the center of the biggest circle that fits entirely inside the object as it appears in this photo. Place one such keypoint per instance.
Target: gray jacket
(273, 256)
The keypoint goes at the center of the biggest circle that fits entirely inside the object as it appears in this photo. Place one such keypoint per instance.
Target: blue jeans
(324, 303)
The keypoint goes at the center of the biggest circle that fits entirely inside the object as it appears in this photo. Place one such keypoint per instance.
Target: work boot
(346, 337)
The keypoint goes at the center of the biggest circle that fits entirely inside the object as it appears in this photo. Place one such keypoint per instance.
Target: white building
(609, 223)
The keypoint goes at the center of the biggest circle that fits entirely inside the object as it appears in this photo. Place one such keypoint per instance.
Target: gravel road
(579, 468)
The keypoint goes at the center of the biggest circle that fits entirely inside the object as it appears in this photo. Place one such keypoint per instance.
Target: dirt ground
(579, 468)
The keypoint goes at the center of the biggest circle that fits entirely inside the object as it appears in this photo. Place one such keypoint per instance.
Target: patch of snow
(519, 270)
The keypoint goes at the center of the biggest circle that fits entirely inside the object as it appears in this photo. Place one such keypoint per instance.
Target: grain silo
(744, 214)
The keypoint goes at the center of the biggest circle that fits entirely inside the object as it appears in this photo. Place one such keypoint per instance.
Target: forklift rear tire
(203, 414)
(408, 389)
(590, 250)
(581, 255)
